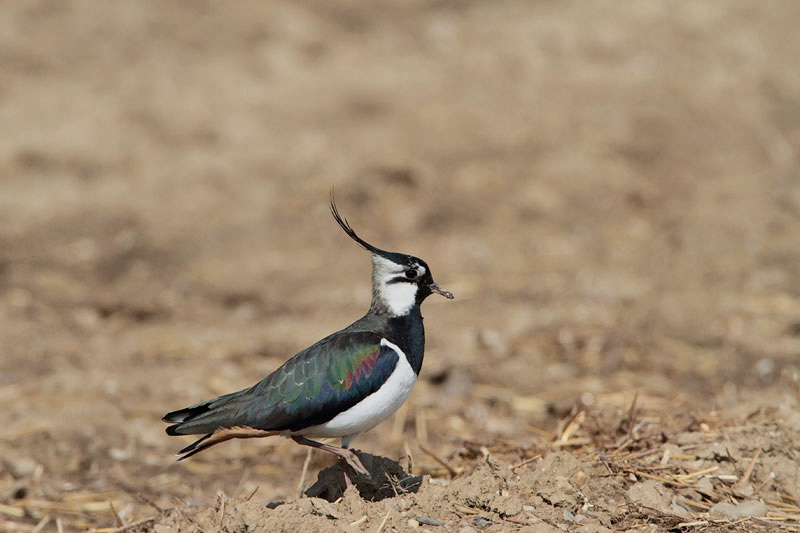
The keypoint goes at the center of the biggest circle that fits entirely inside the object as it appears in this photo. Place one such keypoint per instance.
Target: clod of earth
(386, 479)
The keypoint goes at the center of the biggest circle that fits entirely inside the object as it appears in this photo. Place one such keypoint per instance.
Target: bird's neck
(394, 299)
(408, 333)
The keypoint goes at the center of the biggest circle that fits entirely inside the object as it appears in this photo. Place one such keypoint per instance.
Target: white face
(398, 296)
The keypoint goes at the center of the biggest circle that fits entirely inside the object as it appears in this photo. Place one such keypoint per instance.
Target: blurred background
(612, 195)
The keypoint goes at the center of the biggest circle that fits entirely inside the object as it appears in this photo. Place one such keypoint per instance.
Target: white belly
(373, 409)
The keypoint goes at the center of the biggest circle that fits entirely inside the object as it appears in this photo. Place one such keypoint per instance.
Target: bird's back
(311, 388)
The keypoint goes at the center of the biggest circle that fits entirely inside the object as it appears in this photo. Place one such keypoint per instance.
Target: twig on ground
(302, 481)
(40, 526)
(409, 457)
(383, 522)
(451, 471)
(752, 465)
(117, 519)
(359, 521)
(221, 510)
(124, 529)
(696, 523)
(252, 493)
(527, 461)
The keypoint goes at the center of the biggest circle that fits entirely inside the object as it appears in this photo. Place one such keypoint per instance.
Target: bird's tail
(220, 419)
(221, 435)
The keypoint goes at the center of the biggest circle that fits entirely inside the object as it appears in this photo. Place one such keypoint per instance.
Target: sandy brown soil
(612, 195)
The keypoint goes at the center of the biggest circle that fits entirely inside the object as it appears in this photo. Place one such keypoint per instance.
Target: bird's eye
(411, 273)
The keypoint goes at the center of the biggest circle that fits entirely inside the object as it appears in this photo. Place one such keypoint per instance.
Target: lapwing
(341, 386)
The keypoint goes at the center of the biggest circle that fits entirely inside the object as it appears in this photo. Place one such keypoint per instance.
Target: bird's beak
(438, 290)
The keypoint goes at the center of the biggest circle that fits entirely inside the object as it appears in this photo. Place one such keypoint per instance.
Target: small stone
(650, 493)
(723, 510)
(680, 511)
(558, 491)
(119, 454)
(745, 489)
(24, 467)
(403, 504)
(482, 522)
(467, 529)
(734, 512)
(751, 508)
(428, 521)
(322, 508)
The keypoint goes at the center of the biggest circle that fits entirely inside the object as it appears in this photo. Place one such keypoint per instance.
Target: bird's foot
(352, 460)
(344, 454)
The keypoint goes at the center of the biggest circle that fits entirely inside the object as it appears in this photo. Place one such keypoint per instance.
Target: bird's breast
(374, 408)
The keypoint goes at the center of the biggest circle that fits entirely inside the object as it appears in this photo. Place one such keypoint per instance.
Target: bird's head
(399, 281)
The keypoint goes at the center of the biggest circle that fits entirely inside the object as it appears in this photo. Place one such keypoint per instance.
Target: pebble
(742, 510)
(428, 521)
(482, 522)
(402, 504)
(23, 467)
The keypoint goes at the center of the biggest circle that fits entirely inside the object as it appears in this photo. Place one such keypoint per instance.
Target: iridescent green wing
(322, 381)
(309, 389)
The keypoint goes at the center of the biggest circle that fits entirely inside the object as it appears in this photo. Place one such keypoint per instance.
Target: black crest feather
(350, 231)
(400, 259)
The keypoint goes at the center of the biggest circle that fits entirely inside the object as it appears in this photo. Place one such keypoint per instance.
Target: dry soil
(610, 189)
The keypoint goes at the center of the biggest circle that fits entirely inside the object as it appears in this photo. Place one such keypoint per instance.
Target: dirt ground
(611, 192)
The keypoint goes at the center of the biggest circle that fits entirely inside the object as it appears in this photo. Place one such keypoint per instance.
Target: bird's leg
(345, 446)
(344, 454)
(347, 482)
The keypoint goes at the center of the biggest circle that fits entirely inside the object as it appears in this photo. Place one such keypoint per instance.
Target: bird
(339, 387)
